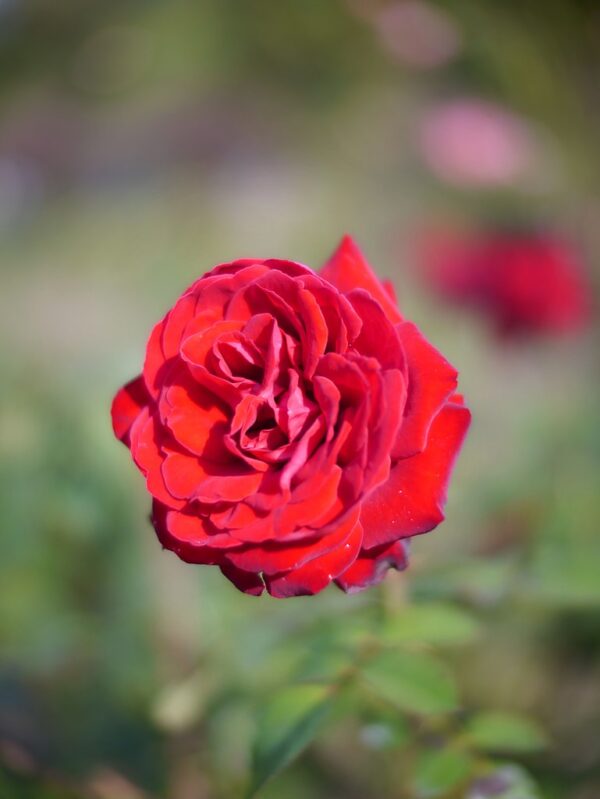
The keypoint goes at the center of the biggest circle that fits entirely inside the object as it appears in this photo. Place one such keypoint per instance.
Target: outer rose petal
(347, 269)
(316, 575)
(272, 557)
(191, 554)
(126, 406)
(147, 453)
(247, 582)
(431, 380)
(372, 565)
(189, 528)
(389, 287)
(411, 501)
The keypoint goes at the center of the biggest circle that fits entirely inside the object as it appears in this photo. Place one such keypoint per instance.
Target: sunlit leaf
(440, 771)
(436, 623)
(505, 732)
(413, 682)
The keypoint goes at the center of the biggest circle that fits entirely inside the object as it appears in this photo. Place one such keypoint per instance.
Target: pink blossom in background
(525, 283)
(475, 143)
(417, 33)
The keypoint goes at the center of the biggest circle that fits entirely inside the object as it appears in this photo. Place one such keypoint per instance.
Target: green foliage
(505, 732)
(414, 682)
(289, 721)
(438, 772)
(26, 786)
(432, 623)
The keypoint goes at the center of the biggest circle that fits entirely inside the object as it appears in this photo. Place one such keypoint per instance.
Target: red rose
(526, 283)
(292, 428)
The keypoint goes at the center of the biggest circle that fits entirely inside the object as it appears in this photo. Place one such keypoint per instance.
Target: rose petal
(196, 417)
(182, 474)
(316, 575)
(390, 290)
(378, 336)
(322, 494)
(431, 381)
(188, 477)
(372, 565)
(175, 324)
(268, 295)
(247, 582)
(314, 334)
(273, 557)
(188, 552)
(126, 406)
(154, 360)
(387, 399)
(328, 397)
(163, 344)
(188, 528)
(301, 450)
(342, 322)
(412, 499)
(195, 348)
(145, 435)
(347, 269)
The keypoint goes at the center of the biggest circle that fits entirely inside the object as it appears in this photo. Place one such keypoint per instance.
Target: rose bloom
(526, 283)
(293, 429)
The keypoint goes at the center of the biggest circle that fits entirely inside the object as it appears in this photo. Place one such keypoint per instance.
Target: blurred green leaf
(435, 623)
(27, 786)
(505, 732)
(440, 771)
(485, 581)
(413, 682)
(289, 722)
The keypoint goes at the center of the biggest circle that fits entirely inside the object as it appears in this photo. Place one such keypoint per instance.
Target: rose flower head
(293, 429)
(526, 283)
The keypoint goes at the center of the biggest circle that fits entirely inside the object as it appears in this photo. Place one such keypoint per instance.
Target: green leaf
(413, 682)
(505, 732)
(289, 722)
(440, 771)
(435, 623)
(483, 580)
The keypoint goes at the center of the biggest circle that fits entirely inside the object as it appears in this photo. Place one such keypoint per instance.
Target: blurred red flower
(292, 427)
(525, 282)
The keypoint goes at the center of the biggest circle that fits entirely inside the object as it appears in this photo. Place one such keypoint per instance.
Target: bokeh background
(141, 142)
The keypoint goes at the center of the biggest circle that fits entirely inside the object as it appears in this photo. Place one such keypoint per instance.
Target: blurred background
(141, 142)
